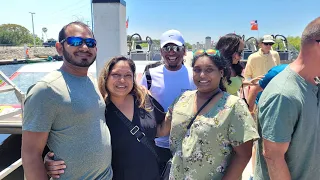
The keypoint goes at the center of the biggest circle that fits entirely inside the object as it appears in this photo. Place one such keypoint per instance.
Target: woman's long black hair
(228, 45)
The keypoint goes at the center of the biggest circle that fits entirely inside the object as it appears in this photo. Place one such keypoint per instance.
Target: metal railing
(9, 123)
(4, 173)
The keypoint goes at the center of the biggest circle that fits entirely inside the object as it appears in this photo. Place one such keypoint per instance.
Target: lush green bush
(16, 35)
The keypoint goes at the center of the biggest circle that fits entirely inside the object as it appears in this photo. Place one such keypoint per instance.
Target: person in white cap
(167, 81)
(260, 62)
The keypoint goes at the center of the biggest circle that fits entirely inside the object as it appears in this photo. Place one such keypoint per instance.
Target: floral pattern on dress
(206, 152)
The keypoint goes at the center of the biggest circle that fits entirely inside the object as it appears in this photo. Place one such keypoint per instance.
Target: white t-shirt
(166, 86)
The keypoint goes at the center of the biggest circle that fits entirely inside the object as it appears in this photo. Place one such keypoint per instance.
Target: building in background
(208, 43)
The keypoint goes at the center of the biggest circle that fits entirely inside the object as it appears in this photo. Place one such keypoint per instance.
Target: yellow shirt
(259, 64)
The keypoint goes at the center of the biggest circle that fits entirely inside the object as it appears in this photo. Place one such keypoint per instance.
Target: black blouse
(130, 158)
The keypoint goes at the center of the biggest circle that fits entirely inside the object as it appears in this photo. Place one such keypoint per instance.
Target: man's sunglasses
(240, 52)
(268, 44)
(173, 48)
(78, 41)
(318, 41)
(209, 52)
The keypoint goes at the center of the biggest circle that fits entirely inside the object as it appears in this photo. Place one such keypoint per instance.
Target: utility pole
(34, 37)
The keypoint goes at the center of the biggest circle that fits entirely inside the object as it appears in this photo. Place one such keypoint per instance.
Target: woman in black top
(128, 102)
(131, 159)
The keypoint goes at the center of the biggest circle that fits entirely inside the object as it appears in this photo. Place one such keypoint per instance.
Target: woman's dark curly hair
(218, 61)
(228, 45)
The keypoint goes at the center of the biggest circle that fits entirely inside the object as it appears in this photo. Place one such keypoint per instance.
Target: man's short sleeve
(39, 109)
(277, 117)
(143, 80)
(242, 126)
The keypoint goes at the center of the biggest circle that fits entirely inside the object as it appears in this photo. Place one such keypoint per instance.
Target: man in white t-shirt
(167, 81)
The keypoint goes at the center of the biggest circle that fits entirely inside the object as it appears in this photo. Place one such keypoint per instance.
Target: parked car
(49, 43)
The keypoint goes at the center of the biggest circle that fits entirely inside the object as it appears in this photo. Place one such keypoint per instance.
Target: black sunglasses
(268, 44)
(78, 41)
(318, 41)
(240, 52)
(172, 48)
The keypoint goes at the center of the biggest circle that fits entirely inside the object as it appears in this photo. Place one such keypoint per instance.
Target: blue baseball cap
(171, 36)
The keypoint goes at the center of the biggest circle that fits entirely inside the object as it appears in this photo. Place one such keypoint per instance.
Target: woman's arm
(252, 82)
(164, 128)
(239, 161)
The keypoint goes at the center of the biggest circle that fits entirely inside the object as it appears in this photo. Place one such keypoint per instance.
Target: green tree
(188, 45)
(14, 34)
(295, 41)
(292, 41)
(39, 41)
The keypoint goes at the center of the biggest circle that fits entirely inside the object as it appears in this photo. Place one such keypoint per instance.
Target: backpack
(147, 72)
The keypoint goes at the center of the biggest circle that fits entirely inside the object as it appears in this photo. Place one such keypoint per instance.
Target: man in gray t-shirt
(289, 116)
(66, 111)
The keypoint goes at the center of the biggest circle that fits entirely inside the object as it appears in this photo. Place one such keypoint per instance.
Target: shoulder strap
(148, 77)
(135, 131)
(204, 105)
(244, 97)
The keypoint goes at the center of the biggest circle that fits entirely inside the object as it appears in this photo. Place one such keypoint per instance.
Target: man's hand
(54, 168)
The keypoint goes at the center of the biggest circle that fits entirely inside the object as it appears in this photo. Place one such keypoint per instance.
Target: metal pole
(34, 37)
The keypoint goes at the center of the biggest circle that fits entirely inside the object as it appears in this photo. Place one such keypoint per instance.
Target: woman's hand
(164, 128)
(54, 168)
(255, 81)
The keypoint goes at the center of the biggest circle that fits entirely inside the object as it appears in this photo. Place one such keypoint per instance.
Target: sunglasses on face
(205, 71)
(268, 44)
(78, 41)
(173, 48)
(240, 52)
(318, 41)
(209, 52)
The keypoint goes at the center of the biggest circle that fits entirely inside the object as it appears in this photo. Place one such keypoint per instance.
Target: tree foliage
(14, 34)
(188, 45)
(295, 42)
(292, 41)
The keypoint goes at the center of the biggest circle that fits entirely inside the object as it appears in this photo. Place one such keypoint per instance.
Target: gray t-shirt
(72, 110)
(289, 112)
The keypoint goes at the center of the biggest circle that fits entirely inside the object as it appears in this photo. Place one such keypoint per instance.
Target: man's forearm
(236, 167)
(34, 168)
(278, 169)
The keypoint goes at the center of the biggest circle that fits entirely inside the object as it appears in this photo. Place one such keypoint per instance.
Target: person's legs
(254, 148)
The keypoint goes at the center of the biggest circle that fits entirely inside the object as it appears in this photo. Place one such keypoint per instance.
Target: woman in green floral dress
(218, 144)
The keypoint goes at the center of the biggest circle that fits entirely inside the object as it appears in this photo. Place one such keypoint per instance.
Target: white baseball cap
(171, 36)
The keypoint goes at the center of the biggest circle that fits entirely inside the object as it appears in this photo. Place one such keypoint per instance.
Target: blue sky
(196, 19)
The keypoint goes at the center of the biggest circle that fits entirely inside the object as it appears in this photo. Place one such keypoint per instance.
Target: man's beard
(84, 62)
(174, 65)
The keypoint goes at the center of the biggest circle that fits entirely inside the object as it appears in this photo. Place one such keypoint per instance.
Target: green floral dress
(206, 152)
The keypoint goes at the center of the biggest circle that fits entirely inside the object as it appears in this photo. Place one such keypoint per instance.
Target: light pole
(34, 37)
